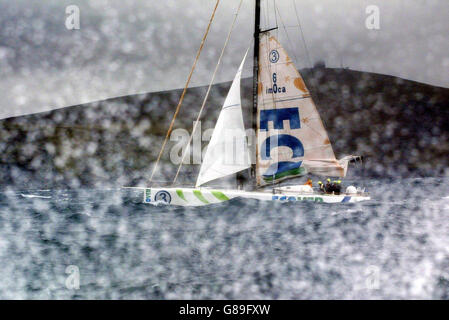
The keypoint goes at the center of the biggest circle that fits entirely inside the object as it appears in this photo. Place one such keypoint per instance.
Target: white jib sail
(292, 140)
(227, 152)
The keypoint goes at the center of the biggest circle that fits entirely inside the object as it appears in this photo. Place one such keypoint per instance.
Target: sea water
(105, 244)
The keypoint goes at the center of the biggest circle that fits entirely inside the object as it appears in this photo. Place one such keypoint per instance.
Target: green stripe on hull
(200, 196)
(220, 195)
(181, 194)
(292, 172)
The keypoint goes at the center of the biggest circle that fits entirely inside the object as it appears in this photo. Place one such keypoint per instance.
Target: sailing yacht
(291, 140)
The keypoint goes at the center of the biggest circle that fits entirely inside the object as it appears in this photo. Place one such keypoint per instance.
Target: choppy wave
(34, 196)
(395, 246)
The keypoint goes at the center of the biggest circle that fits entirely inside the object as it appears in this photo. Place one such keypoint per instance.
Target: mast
(242, 179)
(255, 80)
(250, 175)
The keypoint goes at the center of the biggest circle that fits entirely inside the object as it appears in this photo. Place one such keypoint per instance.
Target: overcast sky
(134, 46)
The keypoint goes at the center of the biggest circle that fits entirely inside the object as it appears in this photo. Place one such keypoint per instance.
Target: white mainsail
(227, 152)
(292, 140)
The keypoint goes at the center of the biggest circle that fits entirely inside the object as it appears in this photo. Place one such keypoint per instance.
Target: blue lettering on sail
(280, 140)
(281, 169)
(278, 116)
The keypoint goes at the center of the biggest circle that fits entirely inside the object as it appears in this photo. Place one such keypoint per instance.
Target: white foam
(34, 196)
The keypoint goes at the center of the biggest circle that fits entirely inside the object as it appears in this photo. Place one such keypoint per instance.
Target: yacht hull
(205, 196)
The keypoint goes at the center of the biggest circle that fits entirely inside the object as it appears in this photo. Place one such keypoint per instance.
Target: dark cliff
(399, 125)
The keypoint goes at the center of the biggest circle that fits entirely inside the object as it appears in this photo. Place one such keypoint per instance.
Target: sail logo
(285, 198)
(274, 56)
(147, 195)
(281, 169)
(163, 196)
(275, 88)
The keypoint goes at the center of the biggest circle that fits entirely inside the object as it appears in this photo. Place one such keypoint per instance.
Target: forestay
(227, 152)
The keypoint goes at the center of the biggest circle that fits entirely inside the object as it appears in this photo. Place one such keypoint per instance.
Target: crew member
(337, 186)
(328, 187)
(309, 182)
(321, 186)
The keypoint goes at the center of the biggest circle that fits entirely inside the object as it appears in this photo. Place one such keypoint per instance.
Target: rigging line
(207, 93)
(308, 57)
(178, 107)
(288, 38)
(268, 13)
(275, 16)
(302, 34)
